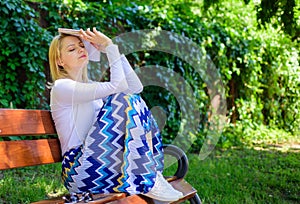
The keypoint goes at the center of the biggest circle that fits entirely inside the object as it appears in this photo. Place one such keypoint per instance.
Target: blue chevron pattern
(122, 153)
(69, 163)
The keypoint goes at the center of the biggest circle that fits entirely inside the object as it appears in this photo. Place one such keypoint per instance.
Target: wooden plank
(107, 198)
(184, 187)
(23, 153)
(25, 122)
(98, 199)
(134, 199)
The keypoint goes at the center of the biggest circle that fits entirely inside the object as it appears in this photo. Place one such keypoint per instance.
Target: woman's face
(73, 55)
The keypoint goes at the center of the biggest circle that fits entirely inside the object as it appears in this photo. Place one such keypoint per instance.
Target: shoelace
(75, 198)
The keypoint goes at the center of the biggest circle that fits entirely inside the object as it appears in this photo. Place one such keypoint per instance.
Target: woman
(109, 139)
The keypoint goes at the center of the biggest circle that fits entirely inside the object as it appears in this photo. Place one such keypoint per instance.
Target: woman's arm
(133, 81)
(67, 91)
(99, 40)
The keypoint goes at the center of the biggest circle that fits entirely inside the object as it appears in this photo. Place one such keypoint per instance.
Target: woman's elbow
(137, 88)
(140, 89)
(122, 86)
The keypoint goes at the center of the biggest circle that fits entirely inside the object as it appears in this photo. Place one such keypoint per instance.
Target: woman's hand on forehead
(96, 38)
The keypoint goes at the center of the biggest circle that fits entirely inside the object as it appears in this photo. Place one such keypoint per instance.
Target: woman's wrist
(107, 43)
(112, 53)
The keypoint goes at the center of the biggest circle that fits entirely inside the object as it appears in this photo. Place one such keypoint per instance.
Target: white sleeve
(68, 91)
(133, 81)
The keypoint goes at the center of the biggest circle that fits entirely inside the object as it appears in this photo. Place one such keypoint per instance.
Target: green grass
(247, 176)
(29, 184)
(240, 175)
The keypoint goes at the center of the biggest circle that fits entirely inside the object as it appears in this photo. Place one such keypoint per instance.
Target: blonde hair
(58, 72)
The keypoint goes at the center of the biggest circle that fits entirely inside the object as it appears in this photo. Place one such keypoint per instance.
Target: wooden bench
(23, 153)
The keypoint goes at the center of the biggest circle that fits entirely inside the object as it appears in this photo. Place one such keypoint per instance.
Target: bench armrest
(182, 160)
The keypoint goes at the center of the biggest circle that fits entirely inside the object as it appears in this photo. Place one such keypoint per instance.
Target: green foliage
(282, 14)
(259, 68)
(23, 56)
(285, 13)
(255, 135)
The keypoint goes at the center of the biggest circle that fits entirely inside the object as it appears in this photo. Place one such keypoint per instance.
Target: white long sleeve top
(74, 105)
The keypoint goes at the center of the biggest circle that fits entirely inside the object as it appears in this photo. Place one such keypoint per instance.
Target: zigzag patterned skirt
(122, 152)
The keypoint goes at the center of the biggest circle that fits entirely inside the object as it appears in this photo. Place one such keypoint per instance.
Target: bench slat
(184, 187)
(134, 199)
(23, 153)
(99, 199)
(26, 122)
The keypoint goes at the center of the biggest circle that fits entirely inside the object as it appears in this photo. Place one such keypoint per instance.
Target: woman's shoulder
(63, 85)
(63, 81)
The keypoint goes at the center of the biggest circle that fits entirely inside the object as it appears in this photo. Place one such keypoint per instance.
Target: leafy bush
(259, 68)
(23, 56)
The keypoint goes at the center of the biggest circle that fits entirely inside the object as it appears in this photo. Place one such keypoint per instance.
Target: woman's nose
(81, 49)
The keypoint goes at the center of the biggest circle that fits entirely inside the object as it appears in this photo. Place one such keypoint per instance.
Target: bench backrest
(21, 153)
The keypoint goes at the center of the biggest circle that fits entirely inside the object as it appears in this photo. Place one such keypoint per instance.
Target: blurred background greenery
(253, 44)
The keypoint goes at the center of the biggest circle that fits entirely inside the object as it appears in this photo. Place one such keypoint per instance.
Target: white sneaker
(163, 191)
